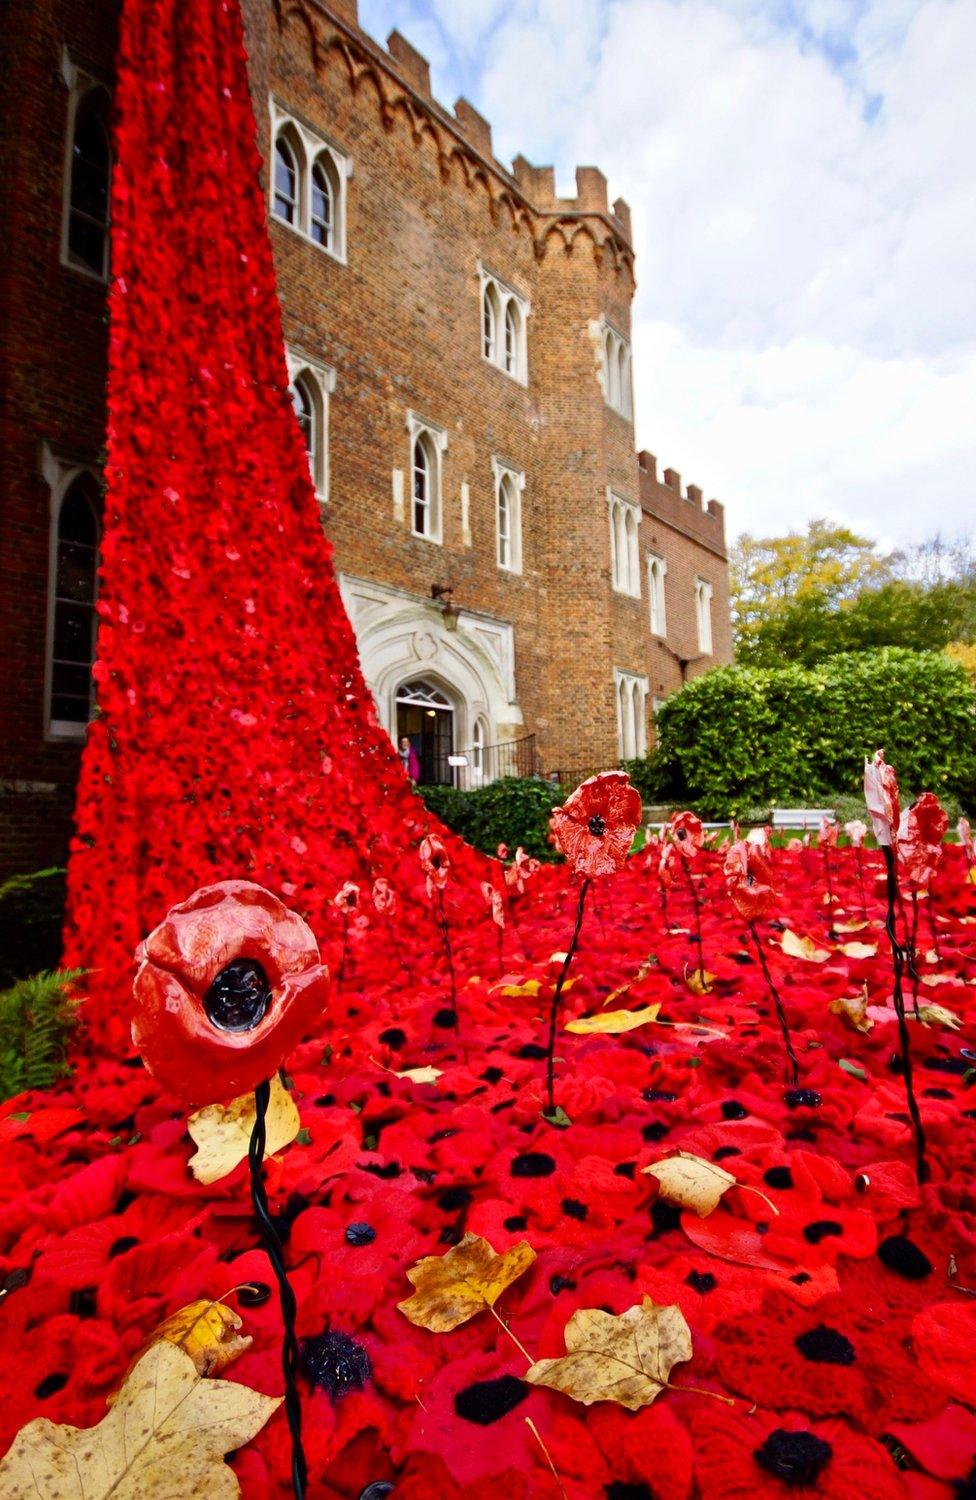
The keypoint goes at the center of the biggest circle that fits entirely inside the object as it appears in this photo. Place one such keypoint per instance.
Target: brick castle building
(458, 343)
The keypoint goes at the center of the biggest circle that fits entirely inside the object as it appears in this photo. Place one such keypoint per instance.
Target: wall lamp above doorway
(443, 593)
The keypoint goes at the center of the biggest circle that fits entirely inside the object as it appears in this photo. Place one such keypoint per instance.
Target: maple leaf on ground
(165, 1436)
(854, 1010)
(795, 946)
(939, 1015)
(222, 1132)
(627, 1359)
(613, 1022)
(454, 1287)
(692, 1182)
(206, 1331)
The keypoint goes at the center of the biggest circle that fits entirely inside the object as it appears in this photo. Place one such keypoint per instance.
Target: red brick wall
(400, 322)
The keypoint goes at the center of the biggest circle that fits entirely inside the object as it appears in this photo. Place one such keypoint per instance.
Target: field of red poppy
(827, 1295)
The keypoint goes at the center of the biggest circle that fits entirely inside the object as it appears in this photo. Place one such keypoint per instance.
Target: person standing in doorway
(409, 759)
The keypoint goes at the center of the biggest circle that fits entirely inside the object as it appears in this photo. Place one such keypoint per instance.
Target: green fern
(36, 1016)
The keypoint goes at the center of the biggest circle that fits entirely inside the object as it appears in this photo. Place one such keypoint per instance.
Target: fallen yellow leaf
(613, 1022)
(795, 946)
(857, 926)
(421, 1075)
(627, 1359)
(700, 981)
(206, 1331)
(454, 1287)
(858, 950)
(854, 1010)
(939, 1015)
(691, 1181)
(222, 1132)
(165, 1436)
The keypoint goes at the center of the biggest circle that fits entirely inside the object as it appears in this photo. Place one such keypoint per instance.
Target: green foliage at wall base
(512, 811)
(741, 737)
(36, 1016)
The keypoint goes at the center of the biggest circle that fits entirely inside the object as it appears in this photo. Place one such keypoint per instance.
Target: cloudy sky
(801, 174)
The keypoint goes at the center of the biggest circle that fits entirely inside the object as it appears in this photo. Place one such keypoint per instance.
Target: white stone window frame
(703, 615)
(616, 370)
(515, 485)
(309, 147)
(657, 572)
(630, 691)
(435, 441)
(625, 518)
(320, 381)
(60, 474)
(503, 299)
(79, 85)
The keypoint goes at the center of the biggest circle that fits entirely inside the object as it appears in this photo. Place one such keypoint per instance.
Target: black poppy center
(597, 826)
(795, 1457)
(239, 997)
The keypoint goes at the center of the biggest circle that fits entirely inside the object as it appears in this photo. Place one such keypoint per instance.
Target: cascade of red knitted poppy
(235, 735)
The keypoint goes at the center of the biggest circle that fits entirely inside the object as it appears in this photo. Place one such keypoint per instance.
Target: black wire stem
(275, 1253)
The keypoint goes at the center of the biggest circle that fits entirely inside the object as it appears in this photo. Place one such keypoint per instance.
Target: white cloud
(805, 223)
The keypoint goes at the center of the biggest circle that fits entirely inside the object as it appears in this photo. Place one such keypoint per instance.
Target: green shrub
(36, 1016)
(512, 811)
(740, 737)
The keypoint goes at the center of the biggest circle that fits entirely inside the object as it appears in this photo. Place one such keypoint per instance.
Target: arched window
(631, 696)
(304, 404)
(623, 378)
(624, 545)
(633, 560)
(74, 619)
(286, 199)
(505, 509)
(422, 485)
(512, 337)
(325, 197)
(90, 184)
(478, 750)
(612, 371)
(491, 315)
(616, 371)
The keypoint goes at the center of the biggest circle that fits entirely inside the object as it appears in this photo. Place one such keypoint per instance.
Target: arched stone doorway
(425, 716)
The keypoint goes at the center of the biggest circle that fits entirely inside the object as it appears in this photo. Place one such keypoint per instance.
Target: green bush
(512, 811)
(35, 1018)
(740, 737)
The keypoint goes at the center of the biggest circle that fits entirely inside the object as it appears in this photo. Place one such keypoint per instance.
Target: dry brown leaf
(454, 1287)
(691, 1181)
(858, 950)
(700, 981)
(206, 1331)
(222, 1132)
(613, 1022)
(647, 967)
(627, 1359)
(854, 1010)
(165, 1437)
(939, 1015)
(795, 946)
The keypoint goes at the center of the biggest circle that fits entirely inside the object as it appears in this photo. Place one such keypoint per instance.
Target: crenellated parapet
(398, 79)
(684, 510)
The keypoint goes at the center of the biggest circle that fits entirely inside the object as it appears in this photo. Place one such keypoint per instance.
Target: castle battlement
(531, 189)
(684, 510)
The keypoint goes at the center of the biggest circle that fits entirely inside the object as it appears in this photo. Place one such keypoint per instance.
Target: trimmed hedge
(512, 811)
(741, 737)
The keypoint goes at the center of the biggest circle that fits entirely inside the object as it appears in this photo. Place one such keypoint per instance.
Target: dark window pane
(86, 242)
(72, 632)
(69, 681)
(76, 518)
(76, 573)
(70, 710)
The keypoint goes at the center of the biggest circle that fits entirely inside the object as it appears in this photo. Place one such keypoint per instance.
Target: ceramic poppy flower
(494, 903)
(920, 834)
(687, 834)
(434, 862)
(595, 826)
(881, 796)
(347, 897)
(829, 829)
(384, 896)
(227, 984)
(749, 881)
(856, 832)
